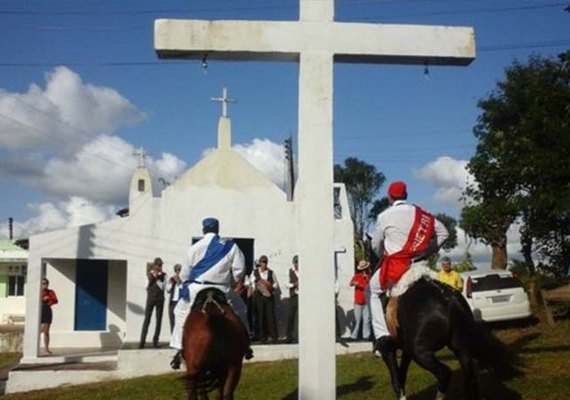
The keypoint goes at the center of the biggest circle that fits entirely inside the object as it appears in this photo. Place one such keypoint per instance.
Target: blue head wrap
(210, 223)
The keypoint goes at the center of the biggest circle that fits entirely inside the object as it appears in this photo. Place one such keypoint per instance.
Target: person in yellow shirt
(449, 276)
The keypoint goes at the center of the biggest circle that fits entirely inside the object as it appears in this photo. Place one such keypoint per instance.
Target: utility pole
(289, 169)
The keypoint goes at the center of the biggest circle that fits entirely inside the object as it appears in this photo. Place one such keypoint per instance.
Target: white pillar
(314, 202)
(33, 307)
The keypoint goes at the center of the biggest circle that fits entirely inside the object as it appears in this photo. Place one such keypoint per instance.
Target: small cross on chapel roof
(141, 154)
(224, 100)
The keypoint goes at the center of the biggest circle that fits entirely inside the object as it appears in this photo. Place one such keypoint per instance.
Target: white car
(495, 295)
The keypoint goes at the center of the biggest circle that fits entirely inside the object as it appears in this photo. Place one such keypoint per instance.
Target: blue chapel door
(91, 295)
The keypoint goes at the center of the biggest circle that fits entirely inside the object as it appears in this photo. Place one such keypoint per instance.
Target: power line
(190, 10)
(265, 7)
(398, 134)
(467, 11)
(184, 63)
(521, 46)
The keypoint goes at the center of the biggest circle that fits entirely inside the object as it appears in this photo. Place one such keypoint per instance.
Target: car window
(494, 282)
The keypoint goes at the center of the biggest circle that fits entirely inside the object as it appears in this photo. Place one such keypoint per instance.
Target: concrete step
(79, 366)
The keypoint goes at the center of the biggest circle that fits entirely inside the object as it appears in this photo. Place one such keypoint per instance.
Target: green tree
(521, 162)
(362, 183)
(451, 225)
(489, 222)
(465, 265)
(378, 206)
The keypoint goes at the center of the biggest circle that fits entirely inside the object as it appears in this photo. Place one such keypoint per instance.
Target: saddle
(391, 310)
(210, 296)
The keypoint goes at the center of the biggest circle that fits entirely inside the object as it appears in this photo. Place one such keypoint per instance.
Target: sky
(81, 89)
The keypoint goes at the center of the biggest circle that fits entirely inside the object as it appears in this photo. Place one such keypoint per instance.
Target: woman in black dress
(48, 299)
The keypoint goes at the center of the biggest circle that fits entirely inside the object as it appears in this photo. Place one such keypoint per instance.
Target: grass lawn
(545, 374)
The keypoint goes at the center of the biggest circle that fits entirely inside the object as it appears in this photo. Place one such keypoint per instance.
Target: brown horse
(214, 344)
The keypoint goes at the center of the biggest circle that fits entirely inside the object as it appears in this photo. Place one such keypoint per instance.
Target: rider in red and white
(405, 235)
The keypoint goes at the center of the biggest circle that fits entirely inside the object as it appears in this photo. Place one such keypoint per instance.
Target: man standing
(360, 282)
(154, 299)
(265, 285)
(173, 290)
(405, 236)
(449, 276)
(292, 311)
(212, 262)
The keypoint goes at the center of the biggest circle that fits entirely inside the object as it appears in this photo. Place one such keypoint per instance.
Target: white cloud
(75, 119)
(267, 157)
(101, 171)
(481, 253)
(75, 211)
(92, 185)
(66, 113)
(449, 176)
(59, 140)
(168, 167)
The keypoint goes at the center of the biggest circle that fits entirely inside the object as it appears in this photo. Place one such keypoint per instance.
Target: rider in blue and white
(212, 262)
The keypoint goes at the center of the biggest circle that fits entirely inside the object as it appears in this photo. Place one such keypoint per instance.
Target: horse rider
(212, 262)
(405, 236)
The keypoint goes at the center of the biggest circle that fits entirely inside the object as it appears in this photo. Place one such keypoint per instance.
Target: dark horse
(214, 344)
(431, 316)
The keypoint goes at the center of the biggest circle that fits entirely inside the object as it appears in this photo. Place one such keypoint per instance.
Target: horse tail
(213, 374)
(483, 345)
(492, 352)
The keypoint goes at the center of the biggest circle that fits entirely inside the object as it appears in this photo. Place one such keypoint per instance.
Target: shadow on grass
(362, 384)
(292, 396)
(490, 388)
(514, 324)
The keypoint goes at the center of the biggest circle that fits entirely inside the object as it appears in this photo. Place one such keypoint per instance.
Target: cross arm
(284, 41)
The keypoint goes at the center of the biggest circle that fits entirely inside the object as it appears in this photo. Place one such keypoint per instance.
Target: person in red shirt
(48, 299)
(360, 282)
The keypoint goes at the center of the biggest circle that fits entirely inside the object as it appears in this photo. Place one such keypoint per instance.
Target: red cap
(397, 190)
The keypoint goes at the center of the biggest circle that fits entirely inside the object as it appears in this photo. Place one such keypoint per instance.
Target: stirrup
(383, 345)
(248, 354)
(377, 346)
(176, 361)
(376, 349)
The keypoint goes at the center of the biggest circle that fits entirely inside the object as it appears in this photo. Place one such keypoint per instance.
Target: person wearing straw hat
(360, 282)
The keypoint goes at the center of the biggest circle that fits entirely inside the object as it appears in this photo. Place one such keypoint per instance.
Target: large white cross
(316, 41)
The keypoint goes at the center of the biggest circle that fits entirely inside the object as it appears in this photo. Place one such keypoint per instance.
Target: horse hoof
(440, 396)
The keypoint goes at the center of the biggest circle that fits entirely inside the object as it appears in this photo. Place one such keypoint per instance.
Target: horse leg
(427, 360)
(403, 373)
(387, 348)
(191, 389)
(468, 367)
(231, 382)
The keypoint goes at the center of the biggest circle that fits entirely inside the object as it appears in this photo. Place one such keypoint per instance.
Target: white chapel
(99, 271)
